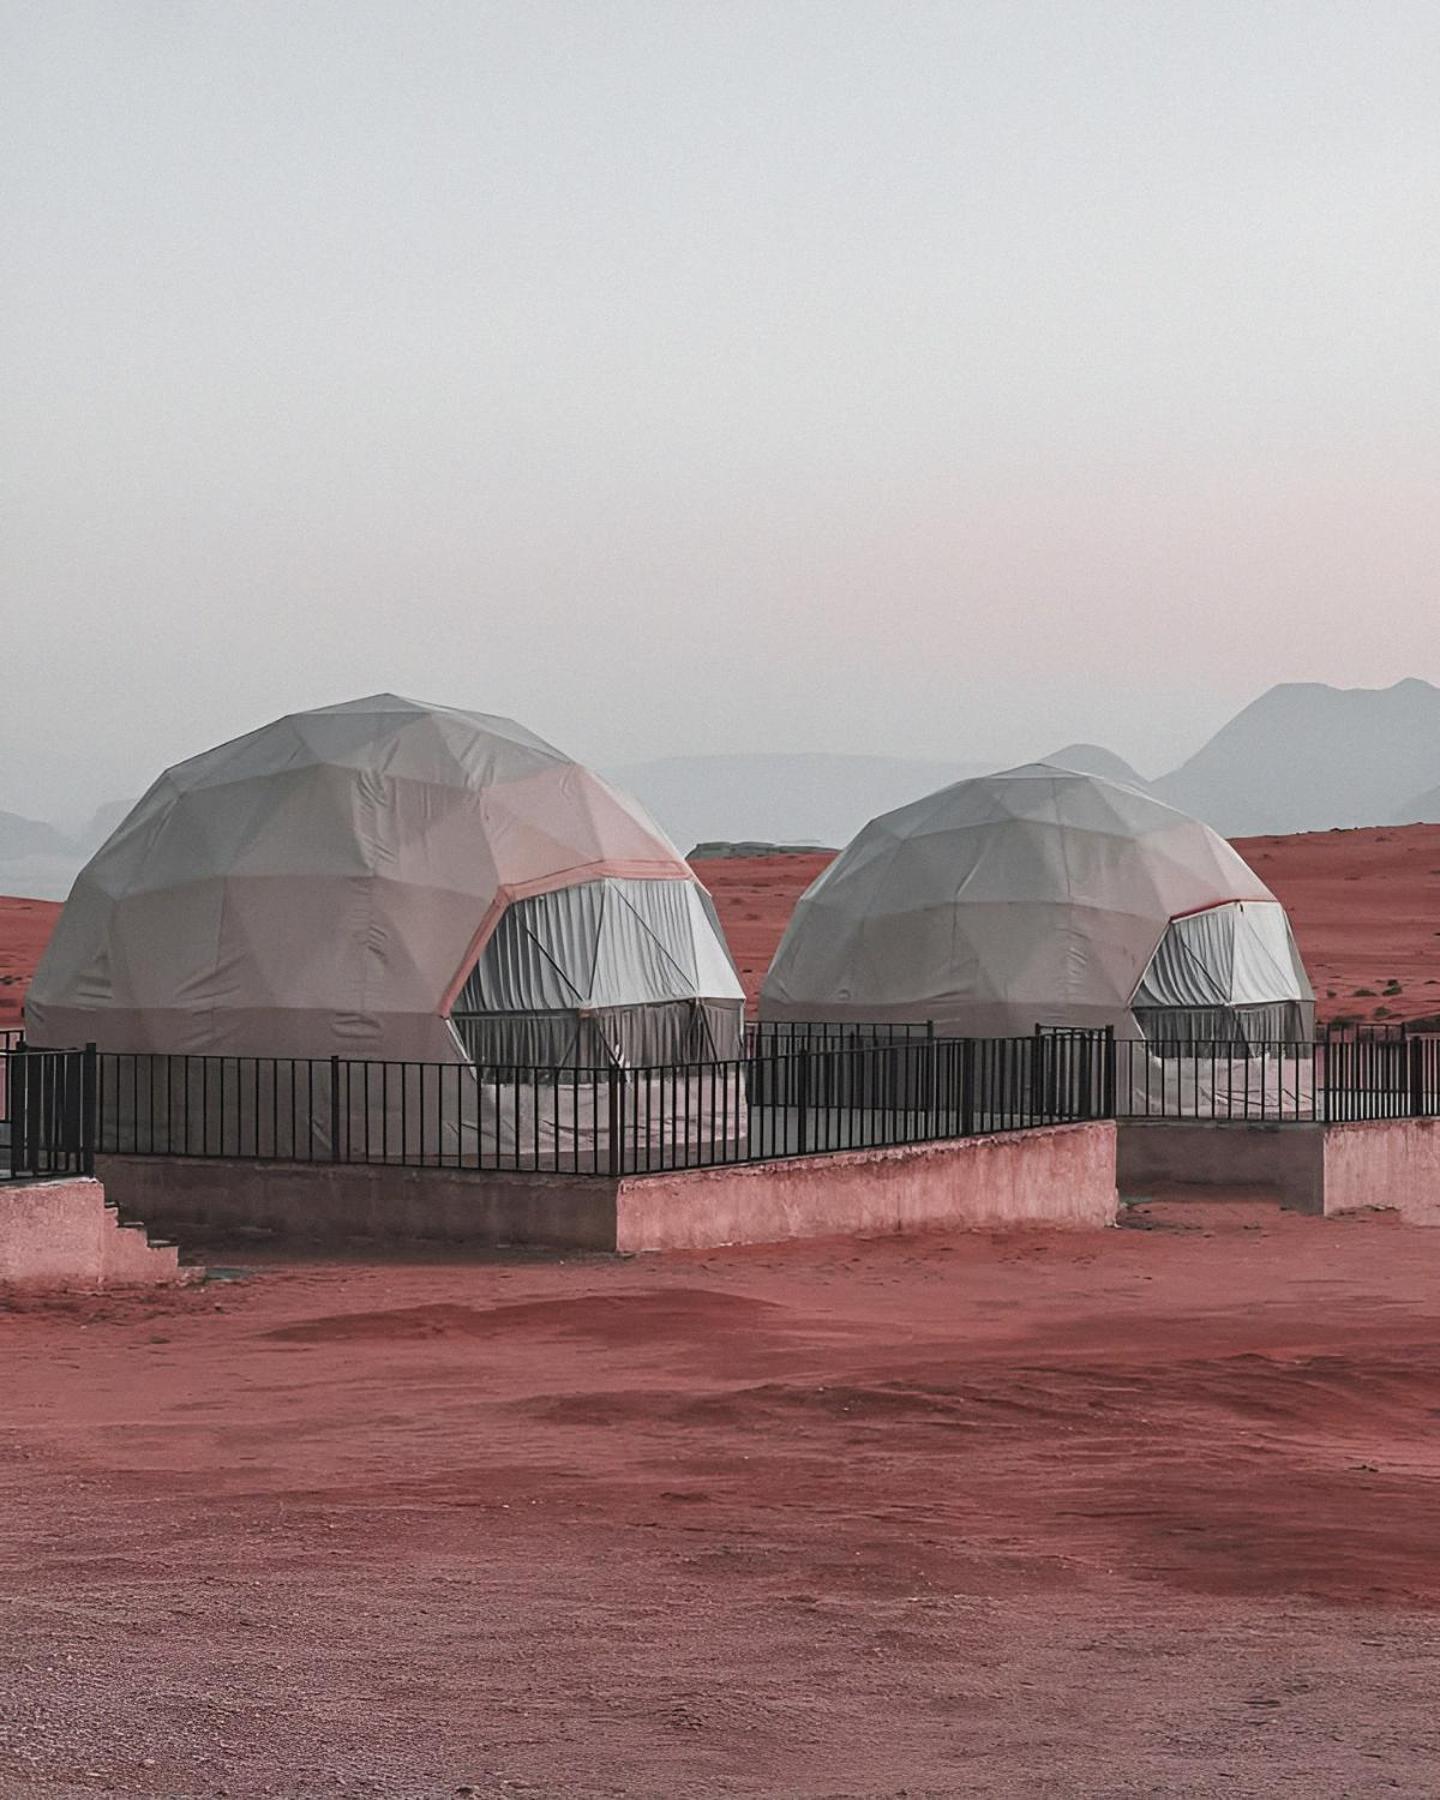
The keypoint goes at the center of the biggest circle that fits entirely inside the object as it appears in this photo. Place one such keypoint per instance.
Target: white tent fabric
(326, 885)
(607, 971)
(1229, 972)
(1241, 954)
(1039, 896)
(602, 944)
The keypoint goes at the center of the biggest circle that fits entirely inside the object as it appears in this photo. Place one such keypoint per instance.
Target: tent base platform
(1060, 1175)
(1390, 1164)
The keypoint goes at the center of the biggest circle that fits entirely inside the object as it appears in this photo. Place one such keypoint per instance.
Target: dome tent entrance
(1040, 897)
(328, 885)
(604, 972)
(1226, 974)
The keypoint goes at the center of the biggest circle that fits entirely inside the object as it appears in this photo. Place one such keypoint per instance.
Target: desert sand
(1143, 1513)
(25, 927)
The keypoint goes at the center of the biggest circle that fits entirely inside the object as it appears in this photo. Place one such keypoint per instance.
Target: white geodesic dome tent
(1042, 897)
(389, 880)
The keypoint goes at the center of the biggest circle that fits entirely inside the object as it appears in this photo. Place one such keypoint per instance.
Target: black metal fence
(1339, 1078)
(777, 1036)
(797, 1092)
(794, 1099)
(48, 1112)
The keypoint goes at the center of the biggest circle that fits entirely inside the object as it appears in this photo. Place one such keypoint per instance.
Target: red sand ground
(1365, 906)
(25, 927)
(1366, 910)
(1143, 1513)
(1151, 1512)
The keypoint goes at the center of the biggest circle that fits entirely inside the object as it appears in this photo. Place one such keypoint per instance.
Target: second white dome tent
(1043, 897)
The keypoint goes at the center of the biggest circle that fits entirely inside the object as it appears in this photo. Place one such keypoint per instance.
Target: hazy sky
(947, 380)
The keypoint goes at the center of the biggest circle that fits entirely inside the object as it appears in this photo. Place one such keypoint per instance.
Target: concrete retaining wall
(1389, 1163)
(1288, 1160)
(1062, 1175)
(60, 1236)
(333, 1203)
(1394, 1164)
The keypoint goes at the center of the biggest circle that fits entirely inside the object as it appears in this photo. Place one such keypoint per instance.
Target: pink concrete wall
(1064, 1175)
(1392, 1163)
(329, 1203)
(59, 1236)
(1061, 1175)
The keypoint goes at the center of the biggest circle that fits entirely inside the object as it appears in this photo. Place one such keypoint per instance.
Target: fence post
(1416, 1049)
(89, 1107)
(1037, 1076)
(17, 1081)
(802, 1096)
(335, 1109)
(1107, 1074)
(617, 1147)
(967, 1086)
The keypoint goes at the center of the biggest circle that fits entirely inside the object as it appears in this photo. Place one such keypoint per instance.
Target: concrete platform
(1394, 1164)
(1284, 1160)
(1058, 1176)
(60, 1236)
(1391, 1164)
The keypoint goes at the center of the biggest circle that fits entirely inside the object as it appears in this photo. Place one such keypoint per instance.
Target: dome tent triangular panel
(326, 884)
(1037, 896)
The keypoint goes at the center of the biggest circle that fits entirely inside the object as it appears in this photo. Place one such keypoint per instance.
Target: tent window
(608, 972)
(1230, 974)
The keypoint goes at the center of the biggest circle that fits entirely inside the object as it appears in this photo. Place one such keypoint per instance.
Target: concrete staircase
(62, 1235)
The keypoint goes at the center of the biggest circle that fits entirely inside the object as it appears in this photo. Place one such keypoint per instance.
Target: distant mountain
(36, 860)
(1303, 757)
(1094, 759)
(725, 849)
(1306, 757)
(40, 862)
(39, 875)
(29, 837)
(100, 824)
(815, 798)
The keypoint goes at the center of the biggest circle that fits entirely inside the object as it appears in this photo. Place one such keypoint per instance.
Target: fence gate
(1073, 1073)
(47, 1112)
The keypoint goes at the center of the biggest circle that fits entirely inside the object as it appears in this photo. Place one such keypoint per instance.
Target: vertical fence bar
(17, 1081)
(89, 1095)
(613, 1099)
(802, 1102)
